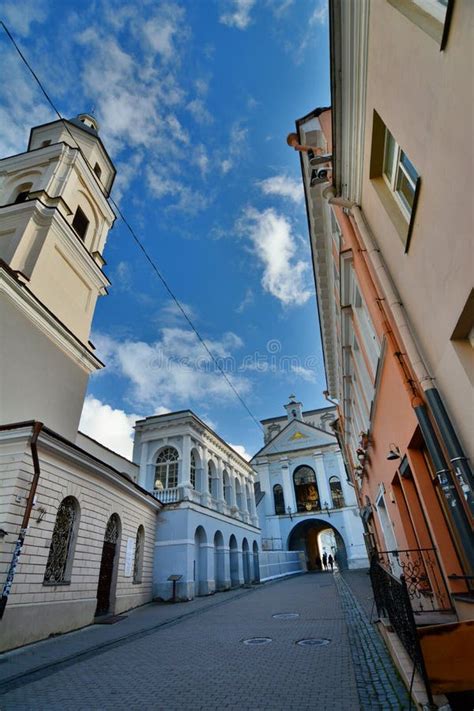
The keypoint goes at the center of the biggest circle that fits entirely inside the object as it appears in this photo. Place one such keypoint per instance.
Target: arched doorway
(234, 562)
(108, 564)
(313, 536)
(219, 561)
(200, 562)
(246, 561)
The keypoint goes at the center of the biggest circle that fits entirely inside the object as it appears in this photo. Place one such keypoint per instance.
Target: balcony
(176, 494)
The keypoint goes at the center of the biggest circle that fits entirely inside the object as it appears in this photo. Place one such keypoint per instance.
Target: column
(184, 473)
(244, 510)
(323, 485)
(220, 484)
(287, 483)
(144, 480)
(205, 495)
(348, 490)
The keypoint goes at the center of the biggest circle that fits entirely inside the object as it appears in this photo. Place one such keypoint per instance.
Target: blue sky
(195, 99)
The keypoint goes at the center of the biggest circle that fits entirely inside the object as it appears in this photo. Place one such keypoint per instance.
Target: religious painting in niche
(306, 489)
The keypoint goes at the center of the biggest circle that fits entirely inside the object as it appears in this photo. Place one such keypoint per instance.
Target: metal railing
(423, 577)
(392, 599)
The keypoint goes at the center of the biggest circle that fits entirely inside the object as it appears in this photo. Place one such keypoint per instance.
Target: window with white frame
(166, 470)
(431, 16)
(400, 174)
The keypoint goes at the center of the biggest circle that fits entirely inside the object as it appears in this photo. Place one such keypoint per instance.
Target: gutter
(37, 427)
(389, 296)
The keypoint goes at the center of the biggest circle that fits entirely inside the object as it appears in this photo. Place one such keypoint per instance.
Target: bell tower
(294, 409)
(54, 221)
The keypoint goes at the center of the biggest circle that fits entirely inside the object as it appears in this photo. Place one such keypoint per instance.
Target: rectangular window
(399, 173)
(80, 223)
(395, 179)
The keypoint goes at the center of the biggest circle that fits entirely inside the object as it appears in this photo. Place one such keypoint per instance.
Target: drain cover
(286, 615)
(314, 642)
(257, 640)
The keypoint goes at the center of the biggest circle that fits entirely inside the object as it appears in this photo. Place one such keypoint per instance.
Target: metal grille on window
(61, 542)
(112, 530)
(166, 476)
(138, 561)
(192, 473)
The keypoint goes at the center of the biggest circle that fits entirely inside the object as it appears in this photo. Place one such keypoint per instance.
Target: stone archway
(246, 561)
(200, 562)
(306, 536)
(234, 562)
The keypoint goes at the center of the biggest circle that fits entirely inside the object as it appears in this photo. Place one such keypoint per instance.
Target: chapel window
(306, 489)
(336, 492)
(192, 470)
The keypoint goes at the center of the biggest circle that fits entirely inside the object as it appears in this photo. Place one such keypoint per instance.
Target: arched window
(279, 499)
(138, 561)
(209, 476)
(306, 489)
(227, 488)
(192, 470)
(238, 494)
(166, 472)
(336, 492)
(61, 550)
(98, 170)
(22, 193)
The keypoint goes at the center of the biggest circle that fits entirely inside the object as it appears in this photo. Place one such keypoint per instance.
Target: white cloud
(305, 373)
(226, 165)
(246, 301)
(238, 14)
(184, 198)
(201, 159)
(175, 370)
(284, 275)
(111, 427)
(170, 314)
(283, 186)
(240, 449)
(164, 29)
(320, 14)
(199, 112)
(18, 17)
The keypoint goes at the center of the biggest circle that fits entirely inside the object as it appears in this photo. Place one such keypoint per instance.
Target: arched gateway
(315, 536)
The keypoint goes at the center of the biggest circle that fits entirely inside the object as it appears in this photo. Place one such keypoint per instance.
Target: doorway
(107, 565)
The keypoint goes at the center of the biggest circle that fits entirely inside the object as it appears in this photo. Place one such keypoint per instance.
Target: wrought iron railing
(392, 600)
(424, 580)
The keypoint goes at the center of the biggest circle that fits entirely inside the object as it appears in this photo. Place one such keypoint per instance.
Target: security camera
(318, 176)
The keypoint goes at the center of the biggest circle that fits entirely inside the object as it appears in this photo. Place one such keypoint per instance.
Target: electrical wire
(137, 240)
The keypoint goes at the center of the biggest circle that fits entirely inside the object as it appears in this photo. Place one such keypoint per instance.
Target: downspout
(459, 461)
(26, 518)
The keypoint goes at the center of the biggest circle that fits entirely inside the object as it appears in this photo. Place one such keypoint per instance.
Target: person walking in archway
(331, 562)
(325, 560)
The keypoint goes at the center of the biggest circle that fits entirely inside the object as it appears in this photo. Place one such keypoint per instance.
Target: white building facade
(306, 501)
(208, 532)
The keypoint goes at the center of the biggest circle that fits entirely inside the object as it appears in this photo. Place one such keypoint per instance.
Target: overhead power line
(136, 238)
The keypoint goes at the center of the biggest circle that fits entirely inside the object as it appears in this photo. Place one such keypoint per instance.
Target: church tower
(54, 221)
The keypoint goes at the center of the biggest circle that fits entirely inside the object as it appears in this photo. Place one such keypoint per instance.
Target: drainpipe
(454, 448)
(26, 518)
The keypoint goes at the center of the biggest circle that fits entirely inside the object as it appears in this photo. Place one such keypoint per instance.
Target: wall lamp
(326, 508)
(393, 452)
(290, 513)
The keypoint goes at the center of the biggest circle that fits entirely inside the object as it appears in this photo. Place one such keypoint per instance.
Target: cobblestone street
(199, 661)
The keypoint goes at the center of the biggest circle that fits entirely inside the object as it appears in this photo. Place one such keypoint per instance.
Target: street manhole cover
(314, 642)
(286, 615)
(257, 640)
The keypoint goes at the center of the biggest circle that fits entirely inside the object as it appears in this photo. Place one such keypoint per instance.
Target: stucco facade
(304, 490)
(208, 533)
